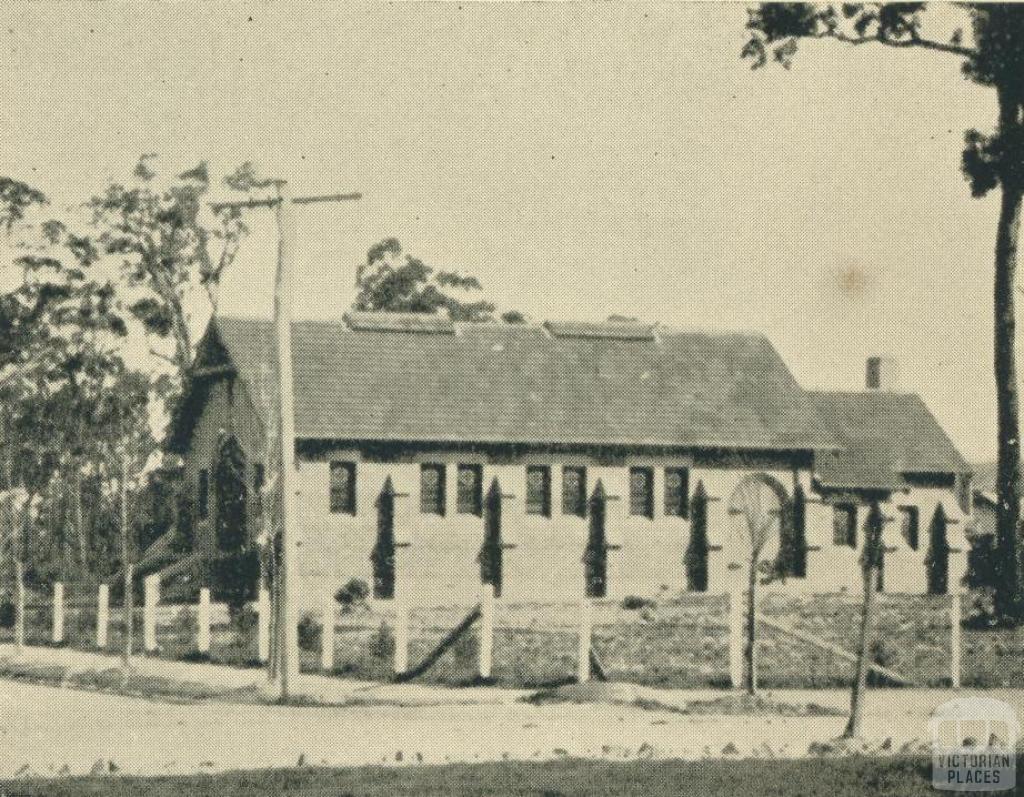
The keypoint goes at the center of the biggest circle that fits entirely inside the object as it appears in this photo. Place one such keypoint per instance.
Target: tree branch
(914, 41)
(164, 357)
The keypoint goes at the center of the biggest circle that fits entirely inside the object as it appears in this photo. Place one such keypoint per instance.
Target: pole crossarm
(272, 202)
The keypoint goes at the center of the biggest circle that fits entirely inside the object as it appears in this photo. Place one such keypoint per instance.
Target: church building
(555, 460)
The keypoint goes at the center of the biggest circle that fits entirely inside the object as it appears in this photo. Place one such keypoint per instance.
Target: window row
(844, 525)
(469, 492)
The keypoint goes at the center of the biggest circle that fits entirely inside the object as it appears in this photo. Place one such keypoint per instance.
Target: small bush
(632, 603)
(382, 643)
(309, 632)
(82, 624)
(245, 621)
(235, 578)
(352, 595)
(883, 653)
(7, 613)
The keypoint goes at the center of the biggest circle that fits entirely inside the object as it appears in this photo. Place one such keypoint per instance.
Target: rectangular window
(432, 489)
(677, 491)
(574, 491)
(343, 488)
(641, 492)
(203, 499)
(538, 490)
(844, 525)
(471, 486)
(258, 480)
(910, 525)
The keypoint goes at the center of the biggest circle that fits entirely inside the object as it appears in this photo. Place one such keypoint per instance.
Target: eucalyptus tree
(989, 46)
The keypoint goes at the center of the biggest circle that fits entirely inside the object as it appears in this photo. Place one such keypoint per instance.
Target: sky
(580, 159)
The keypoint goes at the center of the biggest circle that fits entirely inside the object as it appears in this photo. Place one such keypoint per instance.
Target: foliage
(245, 621)
(163, 243)
(7, 612)
(635, 602)
(383, 554)
(791, 561)
(68, 397)
(234, 578)
(937, 558)
(309, 632)
(352, 594)
(382, 644)
(393, 281)
(697, 548)
(982, 563)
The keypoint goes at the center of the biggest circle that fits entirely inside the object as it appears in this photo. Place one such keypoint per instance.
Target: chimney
(882, 374)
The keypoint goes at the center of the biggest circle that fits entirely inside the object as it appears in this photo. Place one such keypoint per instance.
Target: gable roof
(388, 378)
(884, 437)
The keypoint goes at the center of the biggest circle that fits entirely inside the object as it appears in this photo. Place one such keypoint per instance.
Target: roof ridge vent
(413, 323)
(604, 330)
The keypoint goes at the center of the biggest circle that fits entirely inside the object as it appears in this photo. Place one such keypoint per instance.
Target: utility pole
(286, 636)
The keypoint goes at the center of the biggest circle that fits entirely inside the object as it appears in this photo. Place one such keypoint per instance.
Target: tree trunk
(19, 605)
(80, 532)
(128, 568)
(867, 619)
(870, 560)
(1008, 597)
(750, 649)
(21, 545)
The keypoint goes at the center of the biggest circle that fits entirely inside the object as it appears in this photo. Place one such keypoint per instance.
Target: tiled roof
(599, 384)
(883, 436)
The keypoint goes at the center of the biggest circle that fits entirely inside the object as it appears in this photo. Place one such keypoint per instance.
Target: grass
(846, 777)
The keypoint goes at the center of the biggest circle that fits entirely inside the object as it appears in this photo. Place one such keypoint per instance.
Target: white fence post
(401, 637)
(58, 613)
(487, 631)
(151, 598)
(327, 635)
(263, 624)
(954, 636)
(102, 615)
(586, 629)
(203, 621)
(735, 635)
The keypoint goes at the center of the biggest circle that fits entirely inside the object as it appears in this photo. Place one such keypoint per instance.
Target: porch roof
(884, 437)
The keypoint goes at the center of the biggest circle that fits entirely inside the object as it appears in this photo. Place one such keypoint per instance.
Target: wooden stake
(151, 598)
(203, 621)
(263, 625)
(487, 631)
(586, 630)
(954, 636)
(57, 636)
(735, 634)
(327, 636)
(102, 615)
(401, 638)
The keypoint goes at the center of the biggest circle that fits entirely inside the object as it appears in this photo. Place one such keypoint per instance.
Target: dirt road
(47, 730)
